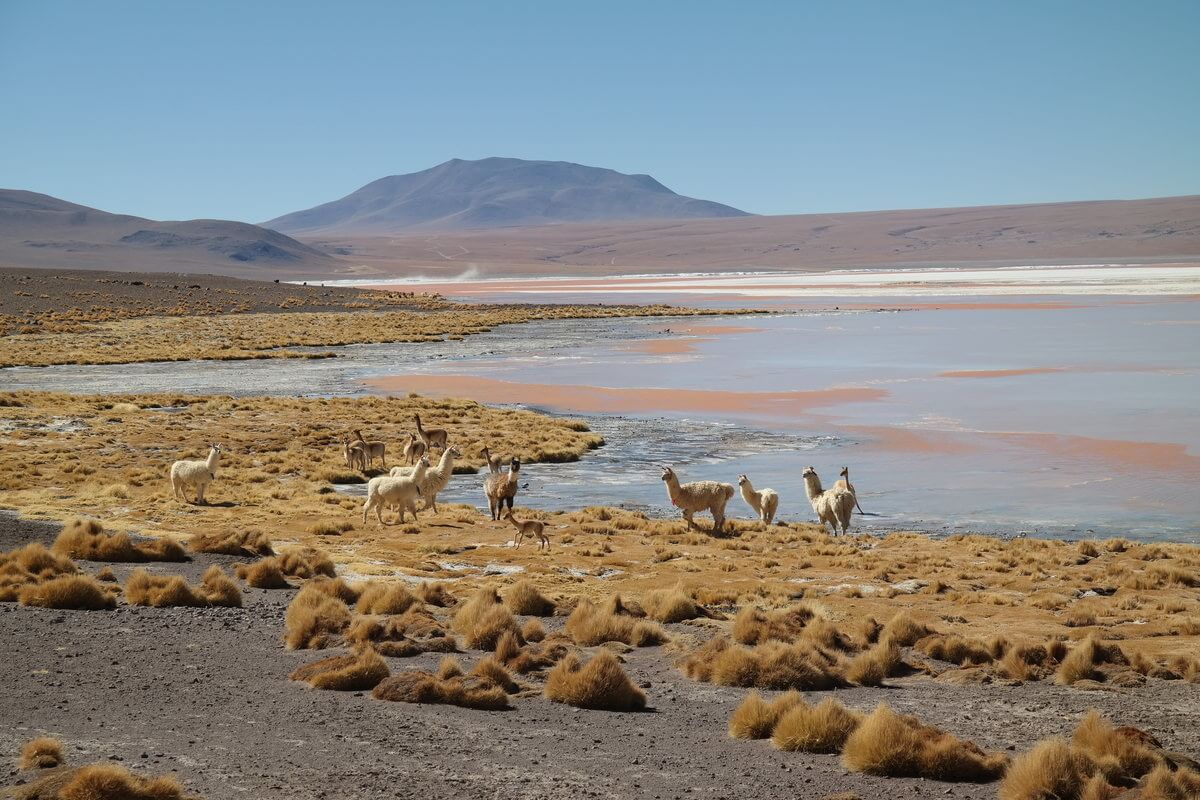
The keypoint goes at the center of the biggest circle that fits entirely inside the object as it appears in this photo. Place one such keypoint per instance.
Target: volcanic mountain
(494, 193)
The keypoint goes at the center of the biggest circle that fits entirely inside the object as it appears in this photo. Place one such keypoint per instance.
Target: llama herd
(832, 506)
(402, 486)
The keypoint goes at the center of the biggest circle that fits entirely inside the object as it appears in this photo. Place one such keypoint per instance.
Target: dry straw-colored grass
(265, 573)
(418, 686)
(524, 598)
(358, 672)
(306, 562)
(86, 539)
(230, 337)
(670, 605)
(313, 619)
(823, 728)
(590, 624)
(41, 753)
(28, 565)
(160, 591)
(80, 592)
(599, 683)
(755, 718)
(113, 782)
(232, 543)
(772, 665)
(891, 745)
(380, 598)
(483, 619)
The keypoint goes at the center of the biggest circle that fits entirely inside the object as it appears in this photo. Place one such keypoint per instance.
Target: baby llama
(528, 527)
(196, 474)
(501, 488)
(413, 450)
(710, 496)
(764, 502)
(833, 507)
(844, 483)
(384, 490)
(435, 478)
(432, 437)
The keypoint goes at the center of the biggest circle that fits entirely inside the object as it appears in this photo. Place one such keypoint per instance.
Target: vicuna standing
(501, 488)
(528, 527)
(432, 437)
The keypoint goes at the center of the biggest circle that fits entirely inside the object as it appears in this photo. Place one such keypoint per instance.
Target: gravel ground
(204, 694)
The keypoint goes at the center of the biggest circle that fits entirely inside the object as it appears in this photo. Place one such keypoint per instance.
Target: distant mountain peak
(497, 192)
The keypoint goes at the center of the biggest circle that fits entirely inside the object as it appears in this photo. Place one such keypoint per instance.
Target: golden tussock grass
(306, 562)
(313, 619)
(1052, 769)
(418, 686)
(532, 631)
(1084, 660)
(161, 591)
(334, 587)
(670, 605)
(232, 543)
(755, 718)
(1164, 784)
(380, 598)
(904, 631)
(891, 745)
(113, 782)
(752, 626)
(106, 574)
(353, 673)
(79, 592)
(491, 669)
(822, 728)
(524, 598)
(483, 619)
(600, 683)
(772, 665)
(589, 625)
(262, 574)
(871, 667)
(436, 594)
(41, 753)
(86, 539)
(955, 649)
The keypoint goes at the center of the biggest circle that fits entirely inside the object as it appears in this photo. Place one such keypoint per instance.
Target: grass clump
(436, 594)
(86, 539)
(752, 626)
(598, 684)
(891, 745)
(379, 598)
(313, 618)
(79, 592)
(113, 782)
(418, 686)
(352, 673)
(232, 543)
(1084, 660)
(755, 718)
(483, 619)
(307, 562)
(28, 565)
(161, 591)
(590, 625)
(262, 574)
(904, 631)
(822, 728)
(871, 667)
(954, 649)
(772, 665)
(41, 753)
(1052, 769)
(524, 598)
(670, 605)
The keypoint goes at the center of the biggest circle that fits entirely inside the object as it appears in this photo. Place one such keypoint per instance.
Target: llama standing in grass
(501, 488)
(528, 527)
(764, 502)
(386, 490)
(435, 479)
(710, 496)
(196, 474)
(371, 450)
(432, 437)
(413, 450)
(844, 483)
(833, 507)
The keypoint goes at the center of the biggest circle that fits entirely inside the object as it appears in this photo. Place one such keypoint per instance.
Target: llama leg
(200, 494)
(687, 516)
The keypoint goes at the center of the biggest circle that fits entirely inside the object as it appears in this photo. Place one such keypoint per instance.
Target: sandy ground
(203, 694)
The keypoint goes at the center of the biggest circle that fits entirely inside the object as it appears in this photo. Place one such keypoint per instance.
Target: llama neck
(447, 457)
(812, 486)
(211, 461)
(673, 490)
(418, 473)
(420, 430)
(748, 493)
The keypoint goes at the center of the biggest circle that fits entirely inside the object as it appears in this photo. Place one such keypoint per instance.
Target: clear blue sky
(247, 110)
